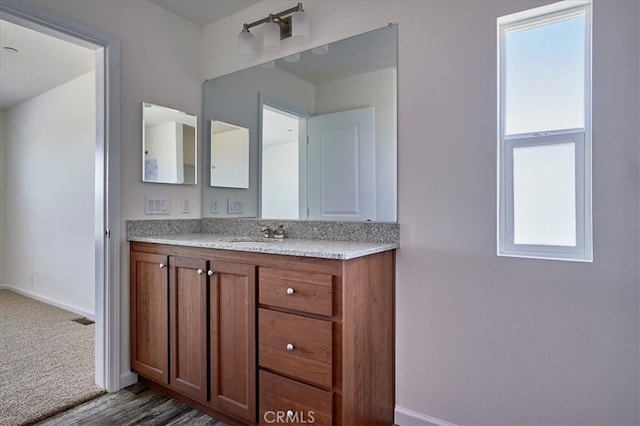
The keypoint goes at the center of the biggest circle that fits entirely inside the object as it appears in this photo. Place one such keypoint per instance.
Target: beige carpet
(46, 360)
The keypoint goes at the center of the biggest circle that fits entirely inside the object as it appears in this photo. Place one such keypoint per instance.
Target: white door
(341, 165)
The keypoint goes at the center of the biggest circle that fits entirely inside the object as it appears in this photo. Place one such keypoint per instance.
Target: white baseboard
(127, 379)
(48, 301)
(405, 417)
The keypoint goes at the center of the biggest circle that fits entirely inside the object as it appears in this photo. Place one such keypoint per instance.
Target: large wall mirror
(169, 145)
(322, 128)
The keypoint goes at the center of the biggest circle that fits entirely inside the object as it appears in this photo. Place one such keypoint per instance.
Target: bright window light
(544, 126)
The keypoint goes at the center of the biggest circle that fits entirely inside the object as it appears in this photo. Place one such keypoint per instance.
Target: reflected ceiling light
(278, 26)
(293, 58)
(320, 50)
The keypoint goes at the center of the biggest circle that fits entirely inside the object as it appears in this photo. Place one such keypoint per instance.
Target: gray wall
(491, 340)
(2, 204)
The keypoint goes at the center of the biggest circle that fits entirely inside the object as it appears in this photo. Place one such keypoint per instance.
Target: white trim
(406, 417)
(48, 301)
(537, 12)
(127, 379)
(107, 250)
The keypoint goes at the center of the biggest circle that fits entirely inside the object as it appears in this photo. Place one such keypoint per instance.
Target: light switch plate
(234, 206)
(156, 204)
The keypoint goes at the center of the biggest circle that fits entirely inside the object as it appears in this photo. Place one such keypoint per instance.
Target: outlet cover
(234, 206)
(185, 204)
(215, 205)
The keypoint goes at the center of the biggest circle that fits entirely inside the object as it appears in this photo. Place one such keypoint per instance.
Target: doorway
(280, 184)
(107, 176)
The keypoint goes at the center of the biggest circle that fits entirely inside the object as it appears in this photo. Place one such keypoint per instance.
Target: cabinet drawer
(302, 291)
(295, 345)
(286, 401)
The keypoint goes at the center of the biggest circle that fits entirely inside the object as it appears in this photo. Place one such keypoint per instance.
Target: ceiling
(204, 12)
(43, 62)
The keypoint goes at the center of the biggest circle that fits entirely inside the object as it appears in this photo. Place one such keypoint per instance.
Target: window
(544, 131)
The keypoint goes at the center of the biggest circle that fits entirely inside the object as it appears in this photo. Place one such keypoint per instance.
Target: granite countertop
(327, 249)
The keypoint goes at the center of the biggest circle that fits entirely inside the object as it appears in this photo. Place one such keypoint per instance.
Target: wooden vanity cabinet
(188, 316)
(149, 315)
(169, 321)
(290, 339)
(193, 326)
(326, 351)
(232, 339)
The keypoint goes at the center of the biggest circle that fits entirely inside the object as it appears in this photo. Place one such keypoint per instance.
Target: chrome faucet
(270, 233)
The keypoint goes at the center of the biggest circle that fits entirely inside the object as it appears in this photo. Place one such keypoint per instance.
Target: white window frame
(581, 138)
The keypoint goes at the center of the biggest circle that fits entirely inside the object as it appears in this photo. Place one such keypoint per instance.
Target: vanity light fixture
(278, 26)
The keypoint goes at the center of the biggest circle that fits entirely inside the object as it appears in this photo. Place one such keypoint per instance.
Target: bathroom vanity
(259, 331)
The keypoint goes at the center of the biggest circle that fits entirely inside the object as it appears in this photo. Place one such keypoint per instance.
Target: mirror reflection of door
(342, 175)
(320, 167)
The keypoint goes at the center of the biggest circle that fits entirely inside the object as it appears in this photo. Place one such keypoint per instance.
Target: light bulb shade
(299, 25)
(246, 45)
(271, 37)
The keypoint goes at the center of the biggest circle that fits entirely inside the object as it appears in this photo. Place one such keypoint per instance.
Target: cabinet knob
(162, 266)
(290, 291)
(210, 272)
(289, 347)
(200, 271)
(290, 414)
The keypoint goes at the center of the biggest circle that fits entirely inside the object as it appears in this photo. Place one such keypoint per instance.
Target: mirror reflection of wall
(318, 170)
(169, 145)
(229, 155)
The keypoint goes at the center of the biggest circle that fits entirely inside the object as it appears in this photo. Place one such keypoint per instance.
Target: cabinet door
(149, 321)
(233, 339)
(188, 326)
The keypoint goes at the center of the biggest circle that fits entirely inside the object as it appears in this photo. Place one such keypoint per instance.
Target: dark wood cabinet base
(191, 403)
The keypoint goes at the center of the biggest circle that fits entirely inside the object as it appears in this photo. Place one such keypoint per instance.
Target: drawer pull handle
(200, 271)
(162, 266)
(289, 347)
(290, 291)
(210, 272)
(290, 414)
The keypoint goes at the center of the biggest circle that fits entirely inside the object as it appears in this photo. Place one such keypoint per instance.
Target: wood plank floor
(135, 405)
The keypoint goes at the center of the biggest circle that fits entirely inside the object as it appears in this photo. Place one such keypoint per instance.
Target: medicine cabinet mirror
(169, 145)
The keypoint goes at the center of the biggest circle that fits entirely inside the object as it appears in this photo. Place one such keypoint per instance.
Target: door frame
(108, 221)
